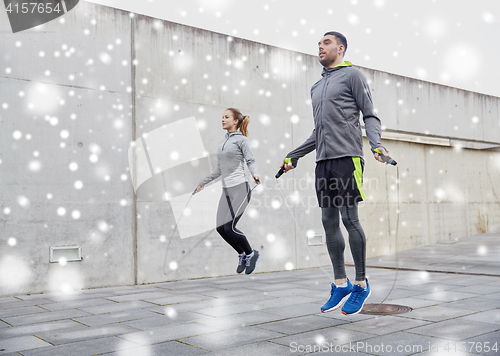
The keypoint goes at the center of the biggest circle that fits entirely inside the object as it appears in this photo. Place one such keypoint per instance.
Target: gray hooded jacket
(337, 99)
(233, 150)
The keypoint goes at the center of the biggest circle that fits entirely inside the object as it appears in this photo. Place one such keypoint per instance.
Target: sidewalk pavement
(456, 311)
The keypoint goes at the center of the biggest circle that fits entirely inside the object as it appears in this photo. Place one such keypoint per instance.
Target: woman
(233, 150)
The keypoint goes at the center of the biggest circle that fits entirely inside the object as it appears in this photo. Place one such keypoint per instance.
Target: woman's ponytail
(243, 121)
(244, 125)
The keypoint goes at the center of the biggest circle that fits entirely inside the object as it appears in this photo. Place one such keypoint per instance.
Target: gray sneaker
(241, 263)
(252, 262)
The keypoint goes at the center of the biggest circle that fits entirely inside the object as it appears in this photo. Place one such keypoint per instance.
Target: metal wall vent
(65, 253)
(315, 239)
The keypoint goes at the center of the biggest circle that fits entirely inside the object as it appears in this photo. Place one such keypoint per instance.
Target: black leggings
(335, 241)
(233, 201)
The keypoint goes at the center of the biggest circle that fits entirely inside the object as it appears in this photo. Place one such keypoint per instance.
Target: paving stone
(85, 348)
(436, 287)
(28, 297)
(478, 303)
(22, 343)
(225, 292)
(414, 303)
(235, 337)
(332, 335)
(166, 348)
(228, 310)
(24, 303)
(486, 344)
(300, 324)
(494, 296)
(82, 333)
(398, 344)
(436, 313)
(168, 333)
(381, 292)
(168, 318)
(296, 310)
(78, 304)
(6, 312)
(455, 329)
(35, 328)
(447, 296)
(116, 307)
(381, 325)
(139, 295)
(175, 299)
(118, 317)
(44, 317)
(258, 348)
(8, 300)
(482, 290)
(239, 320)
(279, 302)
(488, 317)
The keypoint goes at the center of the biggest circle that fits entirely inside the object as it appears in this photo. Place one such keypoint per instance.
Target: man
(337, 100)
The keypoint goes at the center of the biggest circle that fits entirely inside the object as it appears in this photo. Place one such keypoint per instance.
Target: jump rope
(386, 159)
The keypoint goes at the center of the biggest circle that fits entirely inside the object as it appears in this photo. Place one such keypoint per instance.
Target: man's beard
(326, 61)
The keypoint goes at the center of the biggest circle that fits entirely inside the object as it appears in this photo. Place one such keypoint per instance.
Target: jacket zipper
(225, 143)
(325, 86)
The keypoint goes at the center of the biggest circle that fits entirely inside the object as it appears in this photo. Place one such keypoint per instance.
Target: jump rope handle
(282, 169)
(386, 159)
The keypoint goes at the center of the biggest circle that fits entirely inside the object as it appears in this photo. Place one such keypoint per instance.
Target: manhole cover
(384, 309)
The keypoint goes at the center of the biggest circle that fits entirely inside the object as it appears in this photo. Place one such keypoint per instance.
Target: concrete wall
(108, 102)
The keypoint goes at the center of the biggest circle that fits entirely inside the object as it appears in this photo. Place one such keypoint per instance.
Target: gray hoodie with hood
(233, 150)
(337, 100)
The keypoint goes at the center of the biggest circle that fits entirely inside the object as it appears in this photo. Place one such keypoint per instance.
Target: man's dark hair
(340, 37)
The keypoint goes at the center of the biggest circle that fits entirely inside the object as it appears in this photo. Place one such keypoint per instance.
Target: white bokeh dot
(170, 311)
(173, 265)
(23, 201)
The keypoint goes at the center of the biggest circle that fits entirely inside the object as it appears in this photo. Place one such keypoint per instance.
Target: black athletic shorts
(338, 182)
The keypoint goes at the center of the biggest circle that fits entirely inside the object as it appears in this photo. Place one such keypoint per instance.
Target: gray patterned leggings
(335, 240)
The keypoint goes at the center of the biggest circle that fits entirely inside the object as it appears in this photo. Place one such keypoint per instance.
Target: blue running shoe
(357, 299)
(338, 296)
